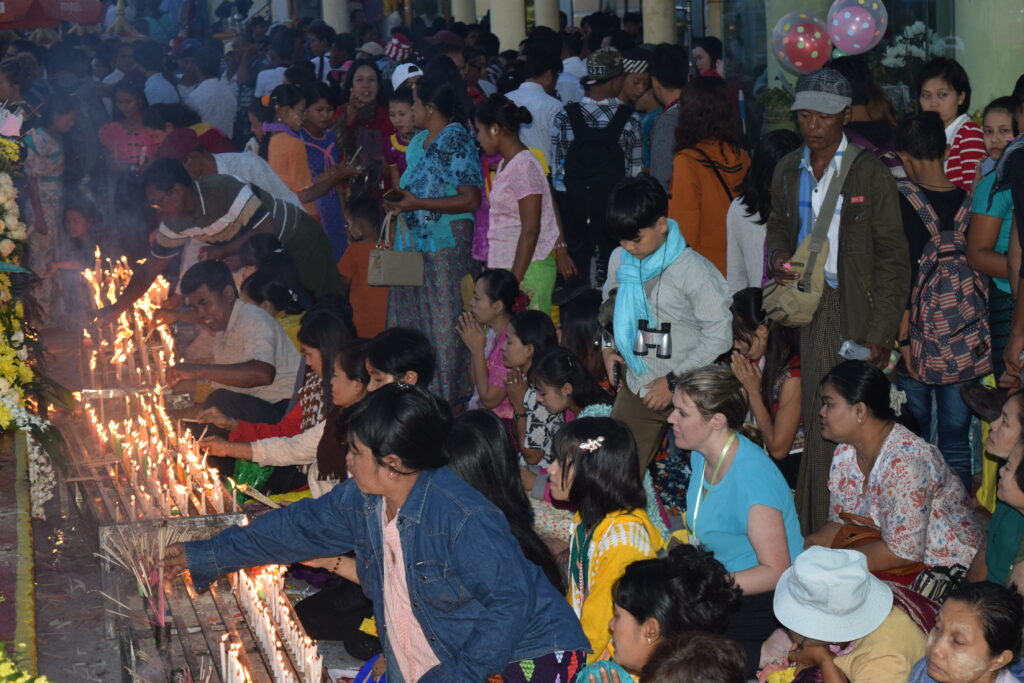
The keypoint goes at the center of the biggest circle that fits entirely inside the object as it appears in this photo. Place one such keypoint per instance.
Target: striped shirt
(812, 195)
(597, 114)
(226, 207)
(966, 150)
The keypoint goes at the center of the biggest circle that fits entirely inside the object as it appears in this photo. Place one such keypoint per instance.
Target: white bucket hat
(404, 72)
(829, 595)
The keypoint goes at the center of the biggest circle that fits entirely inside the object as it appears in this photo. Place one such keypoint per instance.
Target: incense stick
(256, 495)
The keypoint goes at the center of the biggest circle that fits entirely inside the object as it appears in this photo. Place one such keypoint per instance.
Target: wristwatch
(671, 379)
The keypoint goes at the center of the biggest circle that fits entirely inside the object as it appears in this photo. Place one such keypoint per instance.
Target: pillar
(482, 6)
(335, 15)
(659, 21)
(464, 11)
(545, 13)
(279, 11)
(993, 71)
(508, 22)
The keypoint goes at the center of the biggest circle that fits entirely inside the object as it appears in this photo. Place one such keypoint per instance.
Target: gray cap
(825, 90)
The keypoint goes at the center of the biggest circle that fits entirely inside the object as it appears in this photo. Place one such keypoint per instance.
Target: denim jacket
(480, 602)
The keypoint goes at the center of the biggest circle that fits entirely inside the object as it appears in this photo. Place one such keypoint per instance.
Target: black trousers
(751, 625)
(335, 613)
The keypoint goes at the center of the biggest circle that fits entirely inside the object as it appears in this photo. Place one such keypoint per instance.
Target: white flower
(11, 208)
(916, 51)
(5, 182)
(23, 353)
(18, 338)
(6, 194)
(19, 231)
(6, 247)
(5, 386)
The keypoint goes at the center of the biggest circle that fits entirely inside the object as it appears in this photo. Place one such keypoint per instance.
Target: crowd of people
(577, 379)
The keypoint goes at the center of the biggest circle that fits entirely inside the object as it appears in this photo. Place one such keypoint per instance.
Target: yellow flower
(25, 373)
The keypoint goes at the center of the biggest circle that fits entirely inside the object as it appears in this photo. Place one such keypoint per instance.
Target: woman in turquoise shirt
(738, 505)
(440, 190)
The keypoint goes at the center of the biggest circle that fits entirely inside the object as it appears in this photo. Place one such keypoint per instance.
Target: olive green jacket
(874, 265)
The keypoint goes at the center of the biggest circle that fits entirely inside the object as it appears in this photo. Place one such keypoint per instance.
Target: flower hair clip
(591, 445)
(521, 303)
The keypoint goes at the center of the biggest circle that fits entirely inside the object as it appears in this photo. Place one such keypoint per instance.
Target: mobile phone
(616, 375)
(393, 195)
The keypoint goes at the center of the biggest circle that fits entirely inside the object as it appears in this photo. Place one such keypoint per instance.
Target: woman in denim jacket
(467, 605)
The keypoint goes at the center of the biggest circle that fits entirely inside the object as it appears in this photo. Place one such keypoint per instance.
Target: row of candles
(232, 669)
(276, 627)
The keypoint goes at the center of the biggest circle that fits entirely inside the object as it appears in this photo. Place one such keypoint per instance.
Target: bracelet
(904, 343)
(560, 245)
(519, 416)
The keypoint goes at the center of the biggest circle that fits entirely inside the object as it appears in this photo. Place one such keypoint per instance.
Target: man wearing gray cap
(867, 269)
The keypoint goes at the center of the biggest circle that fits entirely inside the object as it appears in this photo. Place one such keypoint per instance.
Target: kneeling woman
(468, 605)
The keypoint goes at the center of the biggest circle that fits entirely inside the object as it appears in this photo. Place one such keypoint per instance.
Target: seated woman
(529, 336)
(892, 479)
(738, 505)
(657, 601)
(842, 620)
(480, 451)
(399, 354)
(976, 638)
(1000, 551)
(595, 470)
(278, 299)
(435, 556)
(766, 360)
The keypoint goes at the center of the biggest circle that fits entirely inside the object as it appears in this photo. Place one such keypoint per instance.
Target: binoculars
(647, 338)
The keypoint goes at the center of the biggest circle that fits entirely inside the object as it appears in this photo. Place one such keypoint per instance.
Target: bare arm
(143, 276)
(767, 534)
(529, 217)
(466, 200)
(823, 536)
(251, 373)
(981, 242)
(326, 181)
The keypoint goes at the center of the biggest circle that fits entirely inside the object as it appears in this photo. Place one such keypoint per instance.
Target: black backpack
(594, 164)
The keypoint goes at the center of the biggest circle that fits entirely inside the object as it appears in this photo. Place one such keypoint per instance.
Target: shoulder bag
(390, 268)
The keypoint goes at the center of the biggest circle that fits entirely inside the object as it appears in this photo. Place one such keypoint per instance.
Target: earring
(494, 131)
(860, 420)
(649, 640)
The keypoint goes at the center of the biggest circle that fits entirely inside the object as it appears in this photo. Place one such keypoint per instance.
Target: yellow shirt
(290, 323)
(886, 654)
(620, 539)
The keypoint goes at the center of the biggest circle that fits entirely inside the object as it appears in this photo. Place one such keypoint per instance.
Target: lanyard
(714, 475)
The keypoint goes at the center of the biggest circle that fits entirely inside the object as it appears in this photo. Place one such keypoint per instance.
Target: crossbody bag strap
(714, 167)
(824, 218)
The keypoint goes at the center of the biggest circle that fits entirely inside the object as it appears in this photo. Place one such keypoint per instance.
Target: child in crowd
(478, 450)
(400, 354)
(580, 331)
(76, 249)
(667, 289)
(277, 298)
(259, 114)
(496, 297)
(400, 114)
(765, 358)
(369, 304)
(595, 470)
(529, 336)
(324, 161)
(563, 385)
(44, 167)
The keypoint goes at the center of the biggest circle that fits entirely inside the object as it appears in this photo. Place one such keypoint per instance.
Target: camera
(647, 338)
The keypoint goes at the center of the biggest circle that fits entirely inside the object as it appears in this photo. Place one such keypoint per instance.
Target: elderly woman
(440, 189)
(890, 480)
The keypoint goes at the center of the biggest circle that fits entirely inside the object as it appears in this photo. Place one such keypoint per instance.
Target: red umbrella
(24, 14)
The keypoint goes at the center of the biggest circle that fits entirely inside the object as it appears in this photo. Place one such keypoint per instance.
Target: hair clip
(402, 386)
(591, 445)
(265, 100)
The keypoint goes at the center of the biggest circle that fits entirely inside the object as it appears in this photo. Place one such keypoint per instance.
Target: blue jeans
(953, 419)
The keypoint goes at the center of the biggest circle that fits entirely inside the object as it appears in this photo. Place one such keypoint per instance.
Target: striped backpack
(949, 329)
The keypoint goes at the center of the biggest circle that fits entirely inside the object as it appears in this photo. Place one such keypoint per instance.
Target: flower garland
(18, 390)
(10, 672)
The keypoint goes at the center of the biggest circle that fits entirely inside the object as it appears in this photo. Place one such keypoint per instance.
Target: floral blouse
(437, 171)
(912, 495)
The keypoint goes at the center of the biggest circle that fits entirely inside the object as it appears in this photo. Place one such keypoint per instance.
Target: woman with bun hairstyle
(523, 234)
(738, 505)
(453, 595)
(496, 297)
(658, 600)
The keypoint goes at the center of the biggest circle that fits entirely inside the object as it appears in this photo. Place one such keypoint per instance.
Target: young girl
(579, 330)
(259, 115)
(496, 298)
(128, 142)
(563, 385)
(765, 359)
(478, 450)
(522, 229)
(453, 594)
(943, 87)
(44, 167)
(988, 237)
(324, 162)
(274, 296)
(530, 335)
(321, 447)
(400, 113)
(75, 248)
(285, 151)
(369, 303)
(595, 470)
(400, 354)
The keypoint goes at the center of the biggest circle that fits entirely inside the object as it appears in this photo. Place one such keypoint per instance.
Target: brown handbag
(858, 531)
(390, 268)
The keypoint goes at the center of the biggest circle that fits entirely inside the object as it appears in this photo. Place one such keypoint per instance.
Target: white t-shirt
(215, 102)
(268, 79)
(254, 170)
(744, 247)
(252, 334)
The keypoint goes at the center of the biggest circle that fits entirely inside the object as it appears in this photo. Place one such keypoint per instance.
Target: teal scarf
(631, 301)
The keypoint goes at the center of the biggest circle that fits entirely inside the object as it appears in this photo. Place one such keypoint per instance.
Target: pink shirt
(521, 177)
(496, 373)
(405, 635)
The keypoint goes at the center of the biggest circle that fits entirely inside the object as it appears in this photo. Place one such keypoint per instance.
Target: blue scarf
(631, 301)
